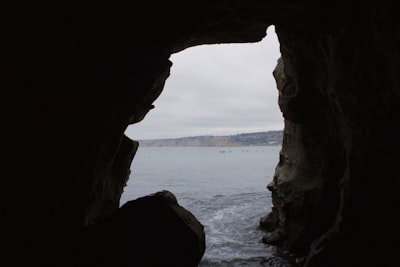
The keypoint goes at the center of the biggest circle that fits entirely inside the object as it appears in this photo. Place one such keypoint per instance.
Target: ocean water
(224, 187)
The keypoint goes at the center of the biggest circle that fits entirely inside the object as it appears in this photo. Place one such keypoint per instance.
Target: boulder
(150, 231)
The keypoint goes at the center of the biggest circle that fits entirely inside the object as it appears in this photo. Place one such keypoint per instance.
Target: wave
(247, 262)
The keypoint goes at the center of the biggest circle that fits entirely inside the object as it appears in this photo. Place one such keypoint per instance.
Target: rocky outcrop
(76, 77)
(339, 94)
(150, 231)
(305, 187)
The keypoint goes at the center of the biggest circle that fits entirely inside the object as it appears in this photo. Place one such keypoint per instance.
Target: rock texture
(77, 76)
(335, 184)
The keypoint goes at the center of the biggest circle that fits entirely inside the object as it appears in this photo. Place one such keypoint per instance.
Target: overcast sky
(217, 90)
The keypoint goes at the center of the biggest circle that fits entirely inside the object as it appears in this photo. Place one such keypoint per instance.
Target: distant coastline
(270, 138)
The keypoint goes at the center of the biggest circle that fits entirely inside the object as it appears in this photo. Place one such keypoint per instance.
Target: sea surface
(224, 187)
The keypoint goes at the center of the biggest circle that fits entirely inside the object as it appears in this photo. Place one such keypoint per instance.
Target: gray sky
(217, 90)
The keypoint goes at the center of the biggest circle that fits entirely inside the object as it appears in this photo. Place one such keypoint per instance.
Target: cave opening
(213, 140)
(77, 76)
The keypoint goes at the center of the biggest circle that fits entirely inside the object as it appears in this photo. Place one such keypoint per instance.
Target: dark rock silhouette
(150, 231)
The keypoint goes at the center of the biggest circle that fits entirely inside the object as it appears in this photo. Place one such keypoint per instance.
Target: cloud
(217, 90)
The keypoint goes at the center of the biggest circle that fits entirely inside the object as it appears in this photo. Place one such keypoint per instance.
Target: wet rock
(270, 222)
(275, 238)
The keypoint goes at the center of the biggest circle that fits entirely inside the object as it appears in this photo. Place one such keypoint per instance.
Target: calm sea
(224, 187)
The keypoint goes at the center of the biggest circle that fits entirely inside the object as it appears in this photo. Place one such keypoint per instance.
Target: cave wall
(77, 76)
(335, 184)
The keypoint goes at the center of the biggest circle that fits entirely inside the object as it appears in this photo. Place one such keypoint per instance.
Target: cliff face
(78, 76)
(336, 178)
(248, 139)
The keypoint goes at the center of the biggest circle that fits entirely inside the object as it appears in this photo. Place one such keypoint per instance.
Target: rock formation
(335, 183)
(151, 231)
(77, 76)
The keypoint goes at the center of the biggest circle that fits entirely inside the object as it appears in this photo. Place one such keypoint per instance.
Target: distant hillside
(246, 139)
